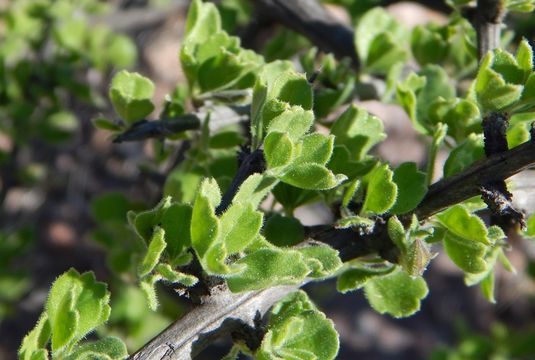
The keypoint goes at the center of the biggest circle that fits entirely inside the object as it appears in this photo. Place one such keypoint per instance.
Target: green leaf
(76, 305)
(109, 348)
(131, 95)
(298, 330)
(292, 88)
(147, 286)
(58, 127)
(316, 148)
(467, 255)
(182, 186)
(417, 257)
(154, 251)
(397, 234)
(71, 34)
(531, 225)
(487, 286)
(284, 231)
(322, 260)
(458, 220)
(311, 176)
(106, 124)
(175, 277)
(406, 93)
(358, 131)
(429, 44)
(411, 185)
(396, 294)
(204, 223)
(268, 267)
(226, 139)
(34, 344)
(65, 323)
(381, 191)
(356, 277)
(144, 222)
(355, 222)
(278, 149)
(461, 116)
(380, 40)
(225, 69)
(121, 51)
(255, 189)
(492, 90)
(464, 155)
(294, 122)
(524, 56)
(176, 223)
(203, 20)
(239, 225)
(517, 134)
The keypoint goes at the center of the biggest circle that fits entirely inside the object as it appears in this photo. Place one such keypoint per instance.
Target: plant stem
(488, 23)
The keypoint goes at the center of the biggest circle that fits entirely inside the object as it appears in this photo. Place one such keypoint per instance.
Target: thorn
(312, 78)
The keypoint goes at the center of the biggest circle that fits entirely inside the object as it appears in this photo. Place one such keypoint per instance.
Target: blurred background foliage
(66, 189)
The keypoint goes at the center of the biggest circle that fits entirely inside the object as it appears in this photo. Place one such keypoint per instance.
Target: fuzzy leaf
(428, 44)
(204, 223)
(147, 286)
(175, 277)
(417, 257)
(316, 148)
(411, 188)
(356, 278)
(239, 225)
(283, 231)
(322, 260)
(298, 330)
(109, 348)
(492, 90)
(76, 305)
(464, 155)
(131, 95)
(278, 149)
(406, 93)
(154, 251)
(176, 222)
(467, 255)
(355, 222)
(380, 40)
(255, 189)
(268, 267)
(396, 294)
(144, 222)
(461, 116)
(292, 88)
(381, 192)
(459, 221)
(203, 20)
(294, 122)
(358, 131)
(34, 344)
(397, 234)
(311, 176)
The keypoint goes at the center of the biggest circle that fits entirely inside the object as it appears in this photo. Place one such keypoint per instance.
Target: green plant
(46, 52)
(214, 238)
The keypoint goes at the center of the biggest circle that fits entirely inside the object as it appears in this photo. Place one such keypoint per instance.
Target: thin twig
(488, 23)
(310, 19)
